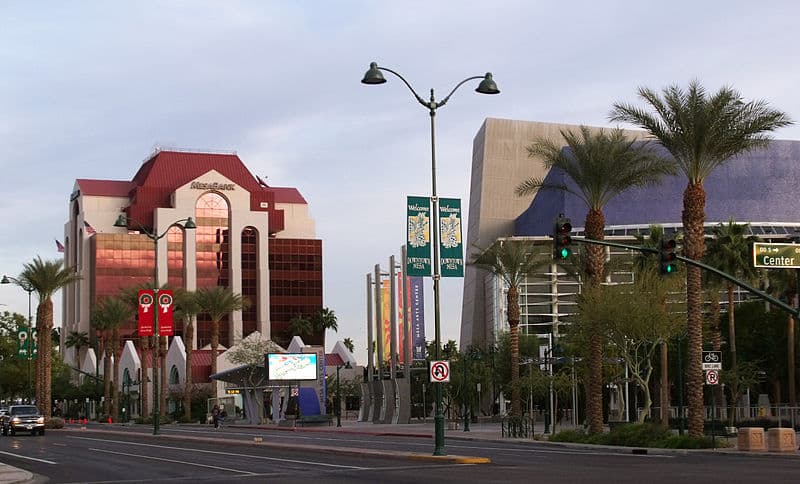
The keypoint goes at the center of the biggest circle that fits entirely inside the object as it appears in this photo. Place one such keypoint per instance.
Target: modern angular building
(758, 188)
(256, 239)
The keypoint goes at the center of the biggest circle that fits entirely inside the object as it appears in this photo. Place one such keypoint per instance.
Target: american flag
(59, 246)
(89, 229)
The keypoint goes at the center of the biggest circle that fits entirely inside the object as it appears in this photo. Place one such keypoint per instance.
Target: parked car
(22, 418)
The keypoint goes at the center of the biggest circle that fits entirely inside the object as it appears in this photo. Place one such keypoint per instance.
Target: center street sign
(777, 256)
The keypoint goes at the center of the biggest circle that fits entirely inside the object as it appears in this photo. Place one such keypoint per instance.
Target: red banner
(146, 308)
(165, 327)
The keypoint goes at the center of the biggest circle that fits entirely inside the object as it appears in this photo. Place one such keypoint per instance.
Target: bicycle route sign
(440, 371)
(712, 360)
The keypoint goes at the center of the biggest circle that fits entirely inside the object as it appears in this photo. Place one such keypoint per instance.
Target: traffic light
(667, 258)
(562, 238)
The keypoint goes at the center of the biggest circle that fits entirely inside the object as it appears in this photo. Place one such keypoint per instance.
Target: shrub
(689, 442)
(570, 436)
(635, 435)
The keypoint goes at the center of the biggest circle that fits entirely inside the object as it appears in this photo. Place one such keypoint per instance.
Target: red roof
(333, 359)
(201, 366)
(288, 195)
(104, 188)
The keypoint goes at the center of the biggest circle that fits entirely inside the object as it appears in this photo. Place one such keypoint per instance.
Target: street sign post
(776, 256)
(712, 360)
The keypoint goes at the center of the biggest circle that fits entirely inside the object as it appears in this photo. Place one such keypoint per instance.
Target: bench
(314, 419)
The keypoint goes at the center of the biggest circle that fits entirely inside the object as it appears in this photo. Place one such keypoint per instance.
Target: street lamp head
(122, 221)
(487, 85)
(190, 224)
(374, 75)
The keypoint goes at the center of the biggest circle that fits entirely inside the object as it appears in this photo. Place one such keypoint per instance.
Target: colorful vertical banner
(386, 313)
(450, 249)
(145, 312)
(402, 302)
(418, 245)
(26, 343)
(416, 313)
(165, 323)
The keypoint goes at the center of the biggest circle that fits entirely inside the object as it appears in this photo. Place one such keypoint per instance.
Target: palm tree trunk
(39, 360)
(214, 345)
(188, 335)
(115, 386)
(731, 327)
(595, 223)
(107, 377)
(664, 398)
(694, 201)
(512, 300)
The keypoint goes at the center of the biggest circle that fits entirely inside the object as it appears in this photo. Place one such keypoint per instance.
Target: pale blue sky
(89, 89)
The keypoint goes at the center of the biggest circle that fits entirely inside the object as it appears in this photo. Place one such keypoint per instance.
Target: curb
(458, 459)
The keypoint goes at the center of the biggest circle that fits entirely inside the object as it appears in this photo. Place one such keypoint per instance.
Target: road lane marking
(173, 461)
(26, 457)
(277, 459)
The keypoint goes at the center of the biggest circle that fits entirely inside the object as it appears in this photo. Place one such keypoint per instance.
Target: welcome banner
(450, 248)
(418, 245)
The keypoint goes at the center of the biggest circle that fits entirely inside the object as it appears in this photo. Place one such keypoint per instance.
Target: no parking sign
(440, 371)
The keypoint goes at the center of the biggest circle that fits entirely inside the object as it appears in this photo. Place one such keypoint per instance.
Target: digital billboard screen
(291, 366)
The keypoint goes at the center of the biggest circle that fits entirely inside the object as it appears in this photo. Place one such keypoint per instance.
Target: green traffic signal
(564, 253)
(562, 238)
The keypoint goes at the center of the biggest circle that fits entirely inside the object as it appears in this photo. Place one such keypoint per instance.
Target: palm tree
(784, 282)
(602, 165)
(45, 277)
(218, 302)
(348, 343)
(77, 340)
(511, 261)
(188, 307)
(101, 326)
(730, 251)
(318, 323)
(114, 311)
(702, 132)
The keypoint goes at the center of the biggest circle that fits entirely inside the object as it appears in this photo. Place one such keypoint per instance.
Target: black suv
(22, 417)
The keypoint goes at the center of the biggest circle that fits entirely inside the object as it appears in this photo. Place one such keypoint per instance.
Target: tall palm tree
(348, 343)
(702, 132)
(100, 324)
(784, 282)
(110, 314)
(730, 252)
(188, 307)
(602, 164)
(511, 261)
(45, 277)
(218, 302)
(317, 324)
(77, 340)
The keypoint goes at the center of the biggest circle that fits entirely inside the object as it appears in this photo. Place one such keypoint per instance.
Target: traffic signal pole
(795, 312)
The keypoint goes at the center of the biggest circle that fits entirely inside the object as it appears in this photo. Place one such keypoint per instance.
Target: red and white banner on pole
(146, 308)
(165, 325)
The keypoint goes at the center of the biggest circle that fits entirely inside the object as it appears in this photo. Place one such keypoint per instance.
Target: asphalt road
(183, 454)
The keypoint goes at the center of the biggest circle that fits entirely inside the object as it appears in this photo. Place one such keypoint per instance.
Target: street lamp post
(339, 395)
(29, 289)
(122, 222)
(486, 86)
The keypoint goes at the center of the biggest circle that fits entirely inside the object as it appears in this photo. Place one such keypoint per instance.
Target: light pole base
(438, 423)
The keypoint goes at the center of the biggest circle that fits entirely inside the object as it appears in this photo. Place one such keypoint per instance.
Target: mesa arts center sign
(776, 256)
(212, 186)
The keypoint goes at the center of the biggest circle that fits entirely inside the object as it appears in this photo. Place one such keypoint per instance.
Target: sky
(90, 89)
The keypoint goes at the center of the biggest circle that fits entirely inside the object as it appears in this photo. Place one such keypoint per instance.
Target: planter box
(781, 440)
(751, 439)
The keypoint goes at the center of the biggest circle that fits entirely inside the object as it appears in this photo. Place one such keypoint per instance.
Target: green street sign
(776, 256)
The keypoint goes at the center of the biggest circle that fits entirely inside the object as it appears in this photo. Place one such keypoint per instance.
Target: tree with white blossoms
(250, 353)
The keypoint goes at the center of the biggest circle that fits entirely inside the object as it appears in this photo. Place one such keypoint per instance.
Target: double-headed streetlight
(486, 86)
(26, 286)
(122, 222)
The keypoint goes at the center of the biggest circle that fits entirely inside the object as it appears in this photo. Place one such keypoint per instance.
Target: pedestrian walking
(222, 416)
(215, 415)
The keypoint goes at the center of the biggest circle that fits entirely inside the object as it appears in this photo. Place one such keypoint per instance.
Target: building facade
(258, 240)
(757, 188)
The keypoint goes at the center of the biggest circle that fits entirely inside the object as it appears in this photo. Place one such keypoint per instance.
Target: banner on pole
(418, 244)
(450, 247)
(386, 324)
(416, 313)
(145, 312)
(23, 344)
(165, 324)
